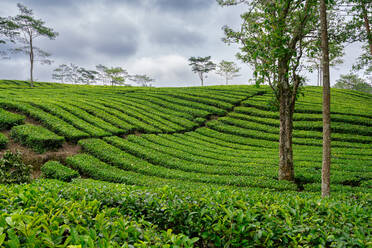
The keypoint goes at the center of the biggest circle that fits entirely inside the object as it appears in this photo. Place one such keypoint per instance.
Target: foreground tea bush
(96, 214)
(13, 170)
(36, 137)
(63, 222)
(56, 170)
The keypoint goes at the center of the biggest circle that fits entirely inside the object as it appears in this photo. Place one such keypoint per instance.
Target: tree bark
(31, 63)
(366, 24)
(326, 165)
(286, 170)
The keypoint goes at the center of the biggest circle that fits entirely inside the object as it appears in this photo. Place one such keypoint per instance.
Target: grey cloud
(171, 35)
(124, 47)
(104, 35)
(184, 5)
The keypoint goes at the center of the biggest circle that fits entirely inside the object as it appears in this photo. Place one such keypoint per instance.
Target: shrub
(36, 137)
(56, 170)
(13, 170)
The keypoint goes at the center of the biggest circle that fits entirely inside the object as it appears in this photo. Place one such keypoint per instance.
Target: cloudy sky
(154, 37)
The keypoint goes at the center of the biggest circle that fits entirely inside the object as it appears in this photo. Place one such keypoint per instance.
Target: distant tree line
(353, 82)
(101, 75)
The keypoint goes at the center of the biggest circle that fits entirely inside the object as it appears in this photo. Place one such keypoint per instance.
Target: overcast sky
(153, 37)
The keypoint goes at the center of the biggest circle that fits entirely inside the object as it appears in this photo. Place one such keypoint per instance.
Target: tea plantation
(182, 167)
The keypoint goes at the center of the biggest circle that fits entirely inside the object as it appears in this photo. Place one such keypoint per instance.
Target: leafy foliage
(353, 82)
(117, 75)
(228, 69)
(56, 170)
(7, 34)
(142, 80)
(359, 29)
(3, 141)
(91, 214)
(13, 170)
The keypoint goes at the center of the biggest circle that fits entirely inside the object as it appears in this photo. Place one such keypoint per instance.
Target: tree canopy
(29, 28)
(228, 69)
(201, 66)
(273, 38)
(353, 82)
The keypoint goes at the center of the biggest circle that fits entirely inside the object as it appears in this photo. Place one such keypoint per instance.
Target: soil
(36, 159)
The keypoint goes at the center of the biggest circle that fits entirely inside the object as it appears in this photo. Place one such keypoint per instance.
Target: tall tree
(86, 76)
(228, 69)
(67, 73)
(102, 75)
(336, 30)
(117, 75)
(326, 162)
(61, 73)
(273, 39)
(29, 29)
(201, 66)
(142, 80)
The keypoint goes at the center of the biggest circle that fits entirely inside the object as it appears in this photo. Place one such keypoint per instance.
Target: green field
(183, 167)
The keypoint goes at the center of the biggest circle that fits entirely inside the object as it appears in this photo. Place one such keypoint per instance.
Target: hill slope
(223, 135)
(216, 149)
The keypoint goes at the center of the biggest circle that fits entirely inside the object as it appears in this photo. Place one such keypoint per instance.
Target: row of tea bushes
(8, 119)
(36, 137)
(127, 161)
(56, 170)
(48, 120)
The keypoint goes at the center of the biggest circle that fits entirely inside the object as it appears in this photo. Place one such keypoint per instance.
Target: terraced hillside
(200, 139)
(218, 135)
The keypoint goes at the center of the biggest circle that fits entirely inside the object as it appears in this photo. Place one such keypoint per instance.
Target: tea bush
(36, 137)
(8, 119)
(3, 141)
(13, 170)
(56, 170)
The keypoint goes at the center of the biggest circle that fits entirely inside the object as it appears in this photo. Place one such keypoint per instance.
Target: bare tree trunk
(326, 165)
(201, 79)
(227, 81)
(366, 24)
(31, 64)
(318, 69)
(286, 169)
